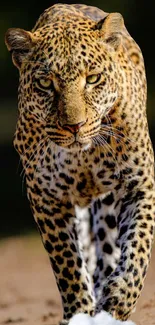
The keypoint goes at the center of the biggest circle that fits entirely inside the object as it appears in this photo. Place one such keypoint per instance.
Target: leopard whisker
(39, 146)
(102, 141)
(39, 157)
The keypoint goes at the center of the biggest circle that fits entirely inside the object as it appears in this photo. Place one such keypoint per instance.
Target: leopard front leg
(57, 225)
(122, 288)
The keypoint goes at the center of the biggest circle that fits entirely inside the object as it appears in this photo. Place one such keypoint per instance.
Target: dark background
(139, 16)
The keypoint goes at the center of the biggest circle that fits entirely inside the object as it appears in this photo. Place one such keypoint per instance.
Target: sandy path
(28, 293)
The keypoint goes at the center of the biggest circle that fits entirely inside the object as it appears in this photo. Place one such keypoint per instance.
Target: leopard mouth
(76, 145)
(72, 143)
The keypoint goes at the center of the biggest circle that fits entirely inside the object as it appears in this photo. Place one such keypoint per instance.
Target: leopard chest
(81, 178)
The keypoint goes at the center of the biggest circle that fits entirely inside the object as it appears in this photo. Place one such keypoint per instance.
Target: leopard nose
(73, 128)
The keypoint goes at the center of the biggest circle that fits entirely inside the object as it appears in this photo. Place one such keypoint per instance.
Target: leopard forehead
(71, 47)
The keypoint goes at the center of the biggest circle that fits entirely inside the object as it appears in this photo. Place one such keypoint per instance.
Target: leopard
(83, 138)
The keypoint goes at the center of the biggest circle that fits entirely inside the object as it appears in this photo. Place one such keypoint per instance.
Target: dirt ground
(28, 293)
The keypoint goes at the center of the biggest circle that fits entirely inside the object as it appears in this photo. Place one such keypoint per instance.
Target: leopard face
(69, 79)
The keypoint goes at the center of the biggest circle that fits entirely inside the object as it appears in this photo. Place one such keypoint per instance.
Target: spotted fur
(87, 155)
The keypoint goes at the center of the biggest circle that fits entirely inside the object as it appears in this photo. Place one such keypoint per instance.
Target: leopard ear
(111, 27)
(19, 42)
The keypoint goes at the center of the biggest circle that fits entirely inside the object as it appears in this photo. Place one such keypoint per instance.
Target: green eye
(44, 83)
(93, 78)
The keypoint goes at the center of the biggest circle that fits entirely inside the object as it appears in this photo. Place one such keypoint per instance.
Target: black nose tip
(73, 128)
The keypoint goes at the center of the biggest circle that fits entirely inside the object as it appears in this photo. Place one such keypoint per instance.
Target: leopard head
(69, 79)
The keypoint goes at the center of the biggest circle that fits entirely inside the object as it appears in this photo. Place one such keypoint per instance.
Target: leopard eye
(45, 83)
(94, 78)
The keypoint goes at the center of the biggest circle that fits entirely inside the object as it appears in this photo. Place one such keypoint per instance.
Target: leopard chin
(75, 146)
